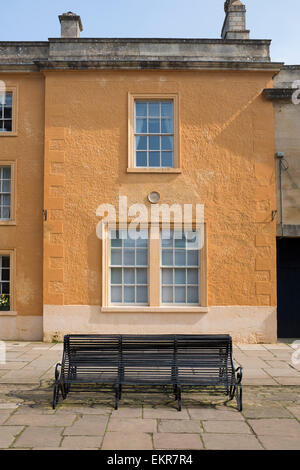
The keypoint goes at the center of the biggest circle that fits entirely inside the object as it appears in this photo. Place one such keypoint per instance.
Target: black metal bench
(167, 360)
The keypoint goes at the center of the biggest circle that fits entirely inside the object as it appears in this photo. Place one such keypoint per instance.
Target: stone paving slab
(286, 442)
(87, 426)
(231, 442)
(166, 441)
(8, 435)
(127, 441)
(37, 436)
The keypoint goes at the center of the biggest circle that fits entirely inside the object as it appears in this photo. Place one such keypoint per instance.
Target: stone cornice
(156, 65)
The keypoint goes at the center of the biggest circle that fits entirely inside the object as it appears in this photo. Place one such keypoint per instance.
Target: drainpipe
(283, 166)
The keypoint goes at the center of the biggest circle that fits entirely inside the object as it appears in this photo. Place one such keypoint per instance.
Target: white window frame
(12, 218)
(154, 281)
(123, 267)
(174, 267)
(153, 97)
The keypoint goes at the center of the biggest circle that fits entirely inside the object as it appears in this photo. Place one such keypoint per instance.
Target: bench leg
(120, 392)
(239, 397)
(175, 391)
(117, 396)
(56, 388)
(179, 397)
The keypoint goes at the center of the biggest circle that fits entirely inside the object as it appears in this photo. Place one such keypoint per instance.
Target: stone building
(286, 99)
(85, 121)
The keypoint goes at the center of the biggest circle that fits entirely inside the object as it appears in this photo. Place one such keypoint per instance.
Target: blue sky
(33, 20)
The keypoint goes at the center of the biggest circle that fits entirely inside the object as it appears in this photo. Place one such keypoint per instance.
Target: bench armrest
(239, 375)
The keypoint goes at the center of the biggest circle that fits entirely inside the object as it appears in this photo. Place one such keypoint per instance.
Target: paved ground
(270, 419)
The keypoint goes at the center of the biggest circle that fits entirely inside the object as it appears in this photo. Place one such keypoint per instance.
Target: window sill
(154, 170)
(7, 222)
(133, 309)
(8, 313)
(8, 134)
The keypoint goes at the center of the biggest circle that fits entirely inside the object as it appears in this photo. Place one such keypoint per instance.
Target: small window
(6, 112)
(128, 269)
(180, 263)
(5, 193)
(154, 134)
(5, 290)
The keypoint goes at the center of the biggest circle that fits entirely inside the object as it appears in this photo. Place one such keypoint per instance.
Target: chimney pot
(234, 26)
(71, 25)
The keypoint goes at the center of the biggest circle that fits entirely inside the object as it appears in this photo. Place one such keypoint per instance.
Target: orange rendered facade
(227, 164)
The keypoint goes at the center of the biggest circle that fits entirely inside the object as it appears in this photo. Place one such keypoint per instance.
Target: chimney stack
(71, 25)
(234, 26)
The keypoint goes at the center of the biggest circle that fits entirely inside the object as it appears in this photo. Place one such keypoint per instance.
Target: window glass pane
(6, 186)
(116, 276)
(116, 294)
(180, 295)
(116, 257)
(5, 261)
(167, 276)
(179, 242)
(5, 288)
(192, 276)
(193, 258)
(5, 213)
(116, 242)
(180, 276)
(167, 108)
(167, 142)
(6, 172)
(154, 126)
(154, 159)
(5, 275)
(142, 241)
(129, 242)
(180, 256)
(167, 126)
(129, 258)
(193, 295)
(141, 159)
(154, 143)
(141, 126)
(141, 276)
(167, 294)
(167, 159)
(6, 199)
(166, 238)
(142, 295)
(129, 295)
(8, 99)
(167, 258)
(154, 109)
(141, 142)
(140, 108)
(7, 126)
(7, 113)
(128, 276)
(141, 257)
